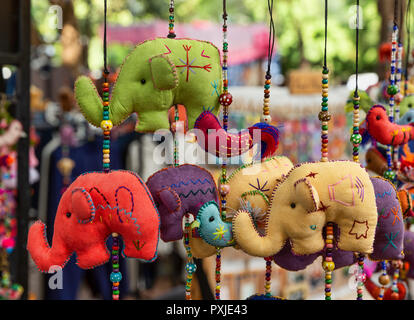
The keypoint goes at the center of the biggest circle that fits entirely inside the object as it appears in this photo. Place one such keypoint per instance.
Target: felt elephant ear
(170, 199)
(82, 205)
(163, 72)
(306, 195)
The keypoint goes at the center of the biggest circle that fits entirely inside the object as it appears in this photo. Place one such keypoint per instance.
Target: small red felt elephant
(94, 206)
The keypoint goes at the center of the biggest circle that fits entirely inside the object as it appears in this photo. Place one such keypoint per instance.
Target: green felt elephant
(156, 75)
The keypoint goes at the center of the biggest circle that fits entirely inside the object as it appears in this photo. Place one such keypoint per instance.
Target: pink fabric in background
(246, 42)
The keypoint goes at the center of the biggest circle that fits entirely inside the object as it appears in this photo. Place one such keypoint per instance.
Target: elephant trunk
(249, 239)
(90, 103)
(43, 255)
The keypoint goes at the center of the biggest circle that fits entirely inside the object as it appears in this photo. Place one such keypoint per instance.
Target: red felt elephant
(94, 206)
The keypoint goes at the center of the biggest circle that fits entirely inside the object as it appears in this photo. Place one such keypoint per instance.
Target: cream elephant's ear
(306, 195)
(163, 72)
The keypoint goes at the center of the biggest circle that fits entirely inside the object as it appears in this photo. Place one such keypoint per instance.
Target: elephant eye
(293, 205)
(143, 81)
(68, 214)
(211, 219)
(378, 117)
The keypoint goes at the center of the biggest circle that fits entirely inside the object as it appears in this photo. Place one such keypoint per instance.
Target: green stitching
(256, 192)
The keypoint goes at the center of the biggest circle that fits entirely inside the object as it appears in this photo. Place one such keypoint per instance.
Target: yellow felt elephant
(308, 197)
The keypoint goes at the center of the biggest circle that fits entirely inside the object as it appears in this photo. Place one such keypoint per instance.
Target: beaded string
(328, 265)
(398, 97)
(384, 279)
(268, 277)
(106, 126)
(171, 32)
(266, 117)
(394, 287)
(324, 115)
(225, 100)
(356, 139)
(266, 100)
(408, 28)
(392, 90)
(190, 267)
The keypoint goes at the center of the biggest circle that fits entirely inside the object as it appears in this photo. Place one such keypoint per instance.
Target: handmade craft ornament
(177, 191)
(336, 191)
(254, 183)
(375, 161)
(211, 228)
(389, 233)
(388, 241)
(406, 202)
(217, 141)
(94, 206)
(156, 75)
(375, 291)
(384, 131)
(12, 135)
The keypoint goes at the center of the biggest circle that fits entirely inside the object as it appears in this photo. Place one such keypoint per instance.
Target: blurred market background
(66, 41)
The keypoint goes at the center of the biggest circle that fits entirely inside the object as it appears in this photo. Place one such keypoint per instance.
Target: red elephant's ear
(82, 205)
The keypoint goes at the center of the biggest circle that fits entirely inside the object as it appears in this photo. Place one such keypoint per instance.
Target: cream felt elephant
(308, 197)
(254, 183)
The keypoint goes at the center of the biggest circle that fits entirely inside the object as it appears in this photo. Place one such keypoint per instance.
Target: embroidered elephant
(180, 190)
(254, 183)
(94, 206)
(249, 185)
(156, 75)
(308, 197)
(389, 233)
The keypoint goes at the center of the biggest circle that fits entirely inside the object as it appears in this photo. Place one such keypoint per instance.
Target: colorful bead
(226, 99)
(190, 267)
(116, 276)
(356, 138)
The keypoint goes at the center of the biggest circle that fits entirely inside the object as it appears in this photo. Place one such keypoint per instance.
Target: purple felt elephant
(287, 259)
(409, 252)
(180, 190)
(389, 234)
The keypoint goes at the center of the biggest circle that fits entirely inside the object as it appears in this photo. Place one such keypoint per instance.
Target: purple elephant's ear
(170, 199)
(82, 205)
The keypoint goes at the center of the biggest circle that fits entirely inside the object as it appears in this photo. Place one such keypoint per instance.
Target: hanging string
(266, 100)
(356, 139)
(328, 265)
(392, 90)
(106, 126)
(171, 32)
(324, 115)
(225, 100)
(384, 279)
(408, 50)
(398, 97)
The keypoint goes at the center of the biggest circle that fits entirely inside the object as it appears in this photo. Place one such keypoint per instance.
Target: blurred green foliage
(299, 28)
